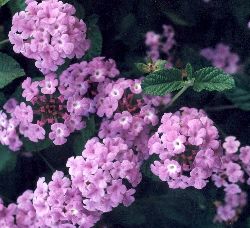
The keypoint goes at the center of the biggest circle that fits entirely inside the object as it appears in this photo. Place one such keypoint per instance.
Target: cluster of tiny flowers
(56, 204)
(222, 57)
(128, 113)
(48, 32)
(9, 135)
(62, 104)
(99, 180)
(105, 174)
(160, 44)
(186, 145)
(235, 170)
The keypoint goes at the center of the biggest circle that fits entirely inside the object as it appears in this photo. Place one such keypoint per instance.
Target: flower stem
(177, 95)
(47, 163)
(4, 41)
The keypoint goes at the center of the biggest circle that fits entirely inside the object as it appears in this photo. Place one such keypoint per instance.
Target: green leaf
(3, 2)
(240, 95)
(142, 67)
(176, 19)
(16, 6)
(161, 82)
(212, 79)
(38, 146)
(176, 208)
(7, 159)
(85, 134)
(160, 65)
(2, 99)
(95, 36)
(189, 70)
(146, 170)
(9, 70)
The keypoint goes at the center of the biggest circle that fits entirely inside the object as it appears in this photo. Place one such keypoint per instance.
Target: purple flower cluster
(101, 172)
(186, 143)
(235, 170)
(56, 204)
(48, 32)
(101, 179)
(60, 103)
(9, 123)
(129, 115)
(222, 57)
(160, 44)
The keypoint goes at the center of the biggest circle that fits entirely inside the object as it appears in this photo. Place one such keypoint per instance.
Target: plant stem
(4, 41)
(177, 95)
(47, 163)
(220, 108)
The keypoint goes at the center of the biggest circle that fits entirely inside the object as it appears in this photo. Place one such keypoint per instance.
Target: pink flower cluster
(186, 144)
(60, 103)
(8, 126)
(160, 44)
(48, 32)
(56, 204)
(222, 57)
(101, 179)
(129, 115)
(101, 171)
(234, 170)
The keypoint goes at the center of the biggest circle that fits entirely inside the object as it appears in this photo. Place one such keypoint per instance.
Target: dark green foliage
(3, 2)
(240, 95)
(210, 79)
(162, 82)
(9, 70)
(84, 135)
(7, 159)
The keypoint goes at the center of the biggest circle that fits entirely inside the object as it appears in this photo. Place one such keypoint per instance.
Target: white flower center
(172, 168)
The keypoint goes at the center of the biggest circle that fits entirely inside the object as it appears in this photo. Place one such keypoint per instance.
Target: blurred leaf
(9, 70)
(210, 78)
(129, 31)
(176, 19)
(3, 2)
(176, 208)
(85, 134)
(16, 6)
(146, 170)
(2, 99)
(161, 82)
(142, 67)
(38, 146)
(95, 36)
(192, 56)
(240, 95)
(7, 159)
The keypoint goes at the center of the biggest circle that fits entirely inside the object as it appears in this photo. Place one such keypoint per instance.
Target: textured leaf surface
(9, 70)
(161, 82)
(212, 79)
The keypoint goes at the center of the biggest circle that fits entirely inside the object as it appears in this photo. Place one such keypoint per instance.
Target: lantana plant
(115, 135)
